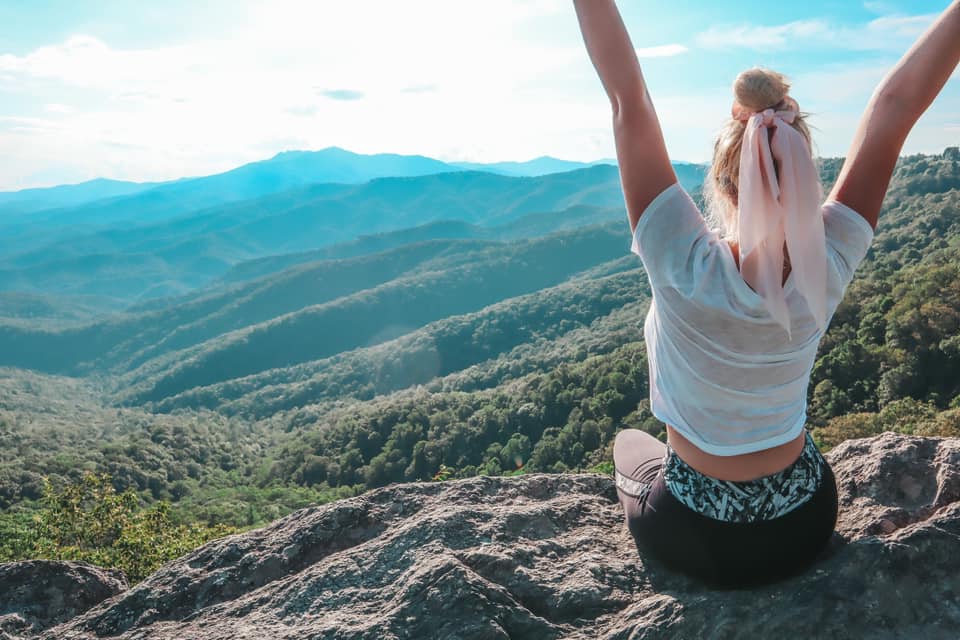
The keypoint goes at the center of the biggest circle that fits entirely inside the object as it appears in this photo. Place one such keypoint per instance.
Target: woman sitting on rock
(740, 494)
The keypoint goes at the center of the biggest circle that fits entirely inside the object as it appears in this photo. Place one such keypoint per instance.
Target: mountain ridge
(285, 169)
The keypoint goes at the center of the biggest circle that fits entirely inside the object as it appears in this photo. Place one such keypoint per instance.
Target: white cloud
(209, 105)
(58, 108)
(887, 32)
(88, 62)
(883, 8)
(837, 97)
(845, 86)
(898, 26)
(834, 96)
(304, 110)
(663, 51)
(314, 42)
(421, 88)
(27, 124)
(760, 37)
(481, 81)
(341, 94)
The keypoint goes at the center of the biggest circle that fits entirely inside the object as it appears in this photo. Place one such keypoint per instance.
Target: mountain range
(147, 241)
(287, 170)
(243, 356)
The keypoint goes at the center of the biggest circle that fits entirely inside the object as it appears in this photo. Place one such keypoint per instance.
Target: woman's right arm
(902, 97)
(645, 169)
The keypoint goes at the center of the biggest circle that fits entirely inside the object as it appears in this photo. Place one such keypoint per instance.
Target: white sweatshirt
(723, 373)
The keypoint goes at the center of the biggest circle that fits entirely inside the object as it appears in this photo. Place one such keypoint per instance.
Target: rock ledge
(549, 557)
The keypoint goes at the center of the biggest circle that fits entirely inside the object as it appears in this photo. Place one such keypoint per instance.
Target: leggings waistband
(760, 499)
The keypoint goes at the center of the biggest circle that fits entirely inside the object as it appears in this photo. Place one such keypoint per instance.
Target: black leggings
(721, 553)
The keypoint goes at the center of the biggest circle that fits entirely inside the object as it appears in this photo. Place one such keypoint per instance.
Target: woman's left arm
(645, 168)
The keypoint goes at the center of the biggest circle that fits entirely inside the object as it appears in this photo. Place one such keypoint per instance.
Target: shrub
(88, 521)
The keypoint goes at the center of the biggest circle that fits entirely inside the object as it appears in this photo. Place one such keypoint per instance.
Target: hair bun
(757, 89)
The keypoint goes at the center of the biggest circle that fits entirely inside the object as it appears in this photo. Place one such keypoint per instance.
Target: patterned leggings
(761, 499)
(724, 532)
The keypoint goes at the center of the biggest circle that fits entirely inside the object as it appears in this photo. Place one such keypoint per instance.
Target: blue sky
(156, 91)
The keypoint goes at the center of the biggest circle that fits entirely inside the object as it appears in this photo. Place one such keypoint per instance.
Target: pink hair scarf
(774, 211)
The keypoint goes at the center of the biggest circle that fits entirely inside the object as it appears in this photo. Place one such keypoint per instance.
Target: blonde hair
(755, 90)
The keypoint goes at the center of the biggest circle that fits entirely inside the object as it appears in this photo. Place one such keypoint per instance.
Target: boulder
(37, 594)
(548, 557)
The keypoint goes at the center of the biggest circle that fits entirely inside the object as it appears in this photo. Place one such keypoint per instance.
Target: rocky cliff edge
(532, 557)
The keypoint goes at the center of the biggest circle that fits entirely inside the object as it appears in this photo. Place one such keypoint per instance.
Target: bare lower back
(748, 466)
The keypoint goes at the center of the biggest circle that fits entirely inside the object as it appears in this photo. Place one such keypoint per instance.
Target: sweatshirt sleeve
(849, 237)
(672, 240)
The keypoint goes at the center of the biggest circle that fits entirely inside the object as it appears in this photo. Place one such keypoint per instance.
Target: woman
(740, 494)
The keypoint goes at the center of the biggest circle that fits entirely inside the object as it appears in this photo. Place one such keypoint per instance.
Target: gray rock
(36, 594)
(549, 556)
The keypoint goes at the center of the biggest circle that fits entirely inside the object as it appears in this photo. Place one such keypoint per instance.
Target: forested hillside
(185, 251)
(492, 327)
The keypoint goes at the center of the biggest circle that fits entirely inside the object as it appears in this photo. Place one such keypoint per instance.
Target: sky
(150, 91)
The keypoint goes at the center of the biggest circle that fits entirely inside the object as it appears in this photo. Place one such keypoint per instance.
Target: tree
(87, 520)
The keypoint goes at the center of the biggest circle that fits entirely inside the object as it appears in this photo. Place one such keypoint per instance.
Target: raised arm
(645, 168)
(896, 105)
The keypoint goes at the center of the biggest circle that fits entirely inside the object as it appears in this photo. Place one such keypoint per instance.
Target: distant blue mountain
(68, 195)
(690, 175)
(103, 201)
(537, 167)
(175, 254)
(286, 170)
(334, 164)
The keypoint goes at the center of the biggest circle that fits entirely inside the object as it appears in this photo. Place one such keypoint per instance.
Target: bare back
(747, 466)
